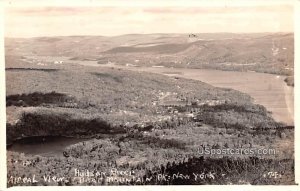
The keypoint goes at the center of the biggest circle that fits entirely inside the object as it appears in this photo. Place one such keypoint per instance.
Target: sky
(31, 20)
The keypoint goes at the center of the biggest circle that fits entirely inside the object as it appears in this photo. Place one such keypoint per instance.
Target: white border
(133, 3)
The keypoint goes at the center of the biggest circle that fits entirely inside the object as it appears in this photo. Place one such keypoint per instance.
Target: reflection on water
(44, 145)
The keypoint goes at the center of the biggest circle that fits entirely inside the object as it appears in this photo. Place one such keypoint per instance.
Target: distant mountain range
(260, 52)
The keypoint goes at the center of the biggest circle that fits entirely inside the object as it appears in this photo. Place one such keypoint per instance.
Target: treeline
(32, 69)
(237, 117)
(227, 115)
(60, 124)
(37, 99)
(225, 170)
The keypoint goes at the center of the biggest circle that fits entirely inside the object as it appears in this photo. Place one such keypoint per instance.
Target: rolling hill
(266, 52)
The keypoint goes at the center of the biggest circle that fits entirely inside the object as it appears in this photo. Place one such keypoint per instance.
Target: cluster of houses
(55, 62)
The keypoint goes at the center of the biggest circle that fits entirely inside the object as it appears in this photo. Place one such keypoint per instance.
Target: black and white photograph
(149, 93)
